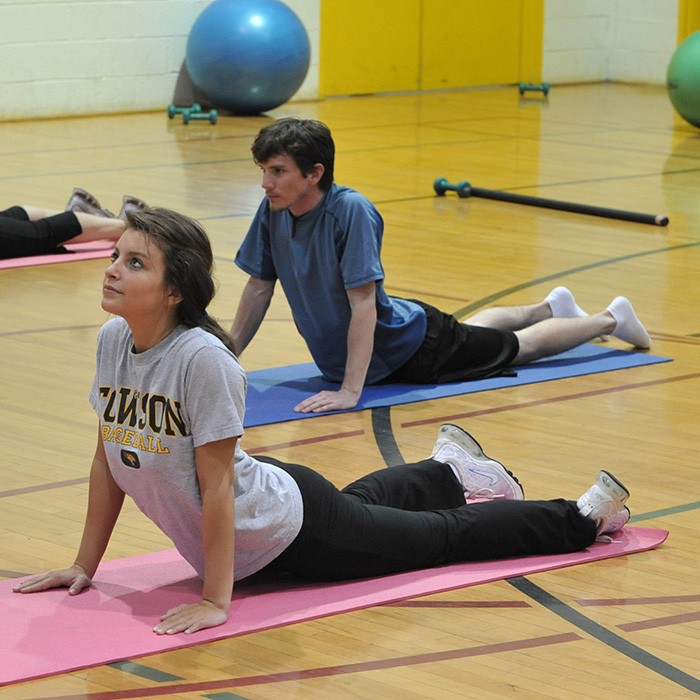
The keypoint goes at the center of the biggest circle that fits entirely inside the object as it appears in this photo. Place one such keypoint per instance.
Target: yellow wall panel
(688, 18)
(369, 46)
(403, 45)
(531, 41)
(471, 42)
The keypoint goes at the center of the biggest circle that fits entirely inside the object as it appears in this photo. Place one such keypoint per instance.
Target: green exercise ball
(683, 79)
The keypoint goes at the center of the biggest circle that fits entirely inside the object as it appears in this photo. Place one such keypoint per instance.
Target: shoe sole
(621, 497)
(87, 204)
(473, 448)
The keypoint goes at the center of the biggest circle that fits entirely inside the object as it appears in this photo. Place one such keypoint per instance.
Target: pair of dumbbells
(193, 113)
(527, 87)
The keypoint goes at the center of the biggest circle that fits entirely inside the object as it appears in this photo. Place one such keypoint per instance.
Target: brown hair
(305, 141)
(189, 262)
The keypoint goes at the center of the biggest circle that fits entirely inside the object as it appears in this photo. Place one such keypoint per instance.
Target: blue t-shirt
(317, 257)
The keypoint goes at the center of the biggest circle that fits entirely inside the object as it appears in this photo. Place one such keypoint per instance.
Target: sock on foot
(629, 328)
(563, 305)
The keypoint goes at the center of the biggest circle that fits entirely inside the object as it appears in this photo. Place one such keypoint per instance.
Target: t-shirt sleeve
(215, 398)
(360, 256)
(255, 254)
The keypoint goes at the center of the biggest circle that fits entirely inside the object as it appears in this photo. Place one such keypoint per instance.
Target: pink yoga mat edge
(51, 633)
(81, 251)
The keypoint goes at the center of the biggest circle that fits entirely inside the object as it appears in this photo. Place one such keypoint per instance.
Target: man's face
(287, 188)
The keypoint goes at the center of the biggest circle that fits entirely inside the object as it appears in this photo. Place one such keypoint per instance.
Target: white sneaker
(130, 203)
(82, 201)
(480, 476)
(605, 502)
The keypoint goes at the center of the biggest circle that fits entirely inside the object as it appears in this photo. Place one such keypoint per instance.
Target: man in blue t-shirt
(323, 243)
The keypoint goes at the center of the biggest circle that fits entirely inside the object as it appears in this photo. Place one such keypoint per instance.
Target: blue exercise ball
(683, 79)
(248, 56)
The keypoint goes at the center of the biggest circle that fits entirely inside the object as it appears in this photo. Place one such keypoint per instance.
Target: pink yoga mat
(81, 251)
(51, 632)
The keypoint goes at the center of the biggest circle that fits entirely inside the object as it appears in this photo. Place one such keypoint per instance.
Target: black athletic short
(20, 237)
(456, 352)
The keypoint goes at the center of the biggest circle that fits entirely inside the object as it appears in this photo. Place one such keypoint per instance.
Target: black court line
(129, 168)
(662, 513)
(602, 634)
(381, 422)
(572, 271)
(151, 674)
(384, 435)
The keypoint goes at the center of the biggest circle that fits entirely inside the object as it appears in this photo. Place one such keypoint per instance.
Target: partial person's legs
(93, 228)
(510, 318)
(557, 324)
(426, 485)
(555, 335)
(355, 534)
(345, 536)
(559, 303)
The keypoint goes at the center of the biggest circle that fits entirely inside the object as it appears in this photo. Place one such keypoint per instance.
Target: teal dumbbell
(441, 185)
(211, 116)
(173, 110)
(544, 88)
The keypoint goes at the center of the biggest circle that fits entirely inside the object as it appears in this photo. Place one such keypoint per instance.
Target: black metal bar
(464, 189)
(656, 220)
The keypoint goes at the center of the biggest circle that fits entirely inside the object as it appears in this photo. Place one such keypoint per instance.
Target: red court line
(660, 622)
(12, 574)
(680, 340)
(255, 450)
(544, 402)
(295, 676)
(305, 441)
(44, 487)
(50, 330)
(642, 601)
(459, 604)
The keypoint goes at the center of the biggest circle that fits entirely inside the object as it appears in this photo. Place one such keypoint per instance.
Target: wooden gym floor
(610, 145)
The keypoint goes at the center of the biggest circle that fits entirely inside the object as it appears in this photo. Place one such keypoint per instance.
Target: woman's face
(134, 285)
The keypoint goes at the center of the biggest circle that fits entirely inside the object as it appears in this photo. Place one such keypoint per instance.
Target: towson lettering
(140, 421)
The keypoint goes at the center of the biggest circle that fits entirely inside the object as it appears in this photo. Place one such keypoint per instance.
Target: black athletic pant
(20, 237)
(414, 517)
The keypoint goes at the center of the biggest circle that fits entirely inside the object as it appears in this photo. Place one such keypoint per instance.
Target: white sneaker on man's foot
(480, 476)
(605, 502)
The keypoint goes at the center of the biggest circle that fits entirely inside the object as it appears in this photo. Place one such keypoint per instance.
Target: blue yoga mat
(273, 393)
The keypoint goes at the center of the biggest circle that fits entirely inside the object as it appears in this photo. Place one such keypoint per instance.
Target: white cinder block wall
(64, 57)
(622, 40)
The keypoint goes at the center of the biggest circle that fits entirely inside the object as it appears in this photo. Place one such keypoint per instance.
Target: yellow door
(369, 46)
(403, 45)
(471, 43)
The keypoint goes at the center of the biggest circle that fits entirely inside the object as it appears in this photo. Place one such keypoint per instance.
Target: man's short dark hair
(306, 141)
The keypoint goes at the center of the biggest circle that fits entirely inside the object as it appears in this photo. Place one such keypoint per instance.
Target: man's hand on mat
(328, 401)
(191, 617)
(75, 579)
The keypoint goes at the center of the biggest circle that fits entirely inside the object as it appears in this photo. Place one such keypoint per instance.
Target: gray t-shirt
(154, 408)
